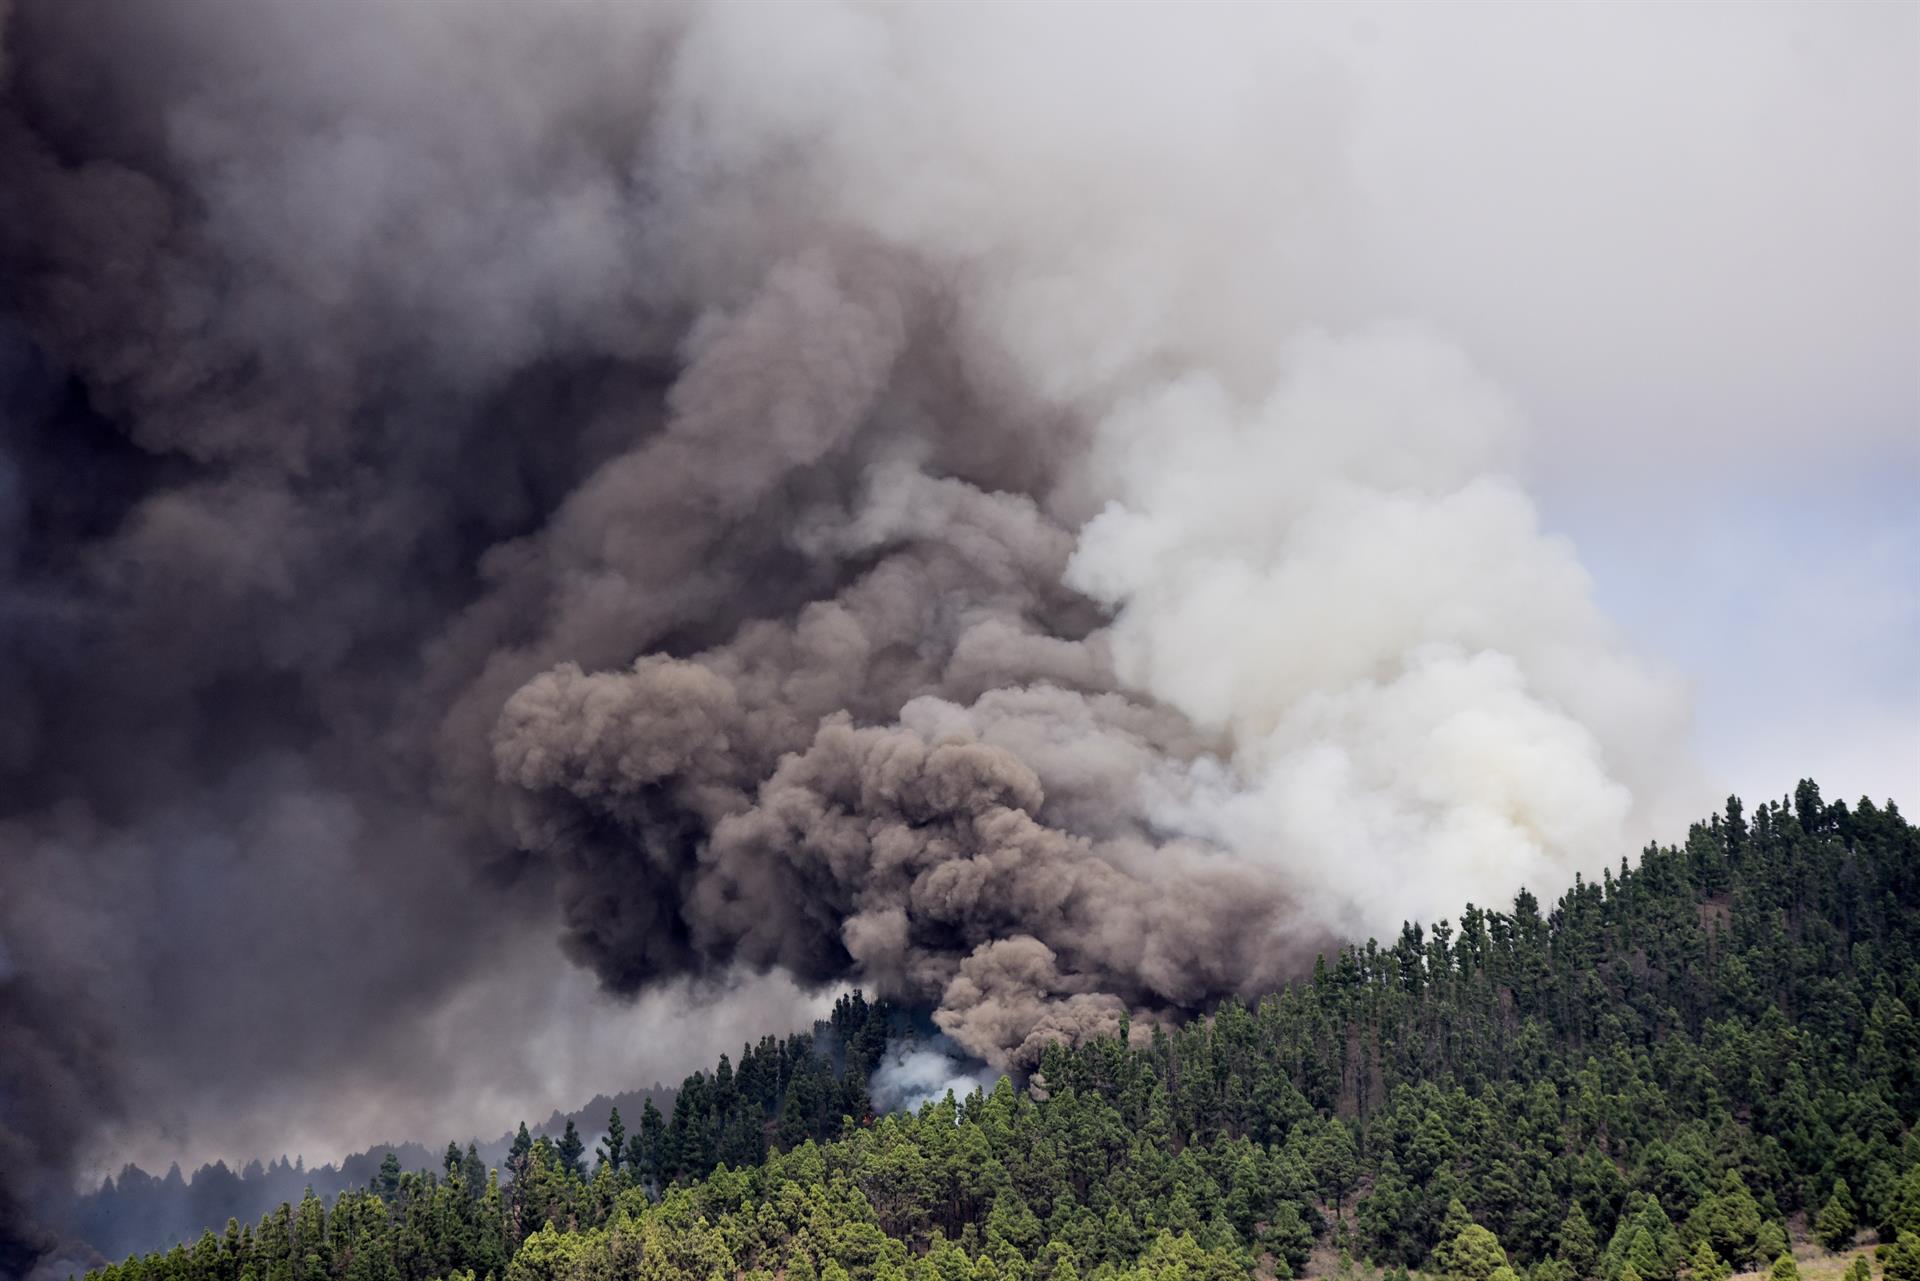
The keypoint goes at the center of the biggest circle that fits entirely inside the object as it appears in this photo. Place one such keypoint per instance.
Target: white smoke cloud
(1422, 701)
(1316, 539)
(916, 1072)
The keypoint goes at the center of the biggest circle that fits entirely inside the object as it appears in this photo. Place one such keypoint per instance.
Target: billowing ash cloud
(850, 492)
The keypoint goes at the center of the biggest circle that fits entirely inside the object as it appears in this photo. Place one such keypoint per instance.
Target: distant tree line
(135, 1211)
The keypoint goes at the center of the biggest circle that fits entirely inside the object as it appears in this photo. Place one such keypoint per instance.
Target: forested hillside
(1666, 1074)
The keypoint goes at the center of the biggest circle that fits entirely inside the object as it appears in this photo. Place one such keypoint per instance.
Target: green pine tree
(387, 1181)
(1903, 1260)
(570, 1149)
(613, 1147)
(1576, 1240)
(1644, 1256)
(1836, 1223)
(1705, 1265)
(1473, 1255)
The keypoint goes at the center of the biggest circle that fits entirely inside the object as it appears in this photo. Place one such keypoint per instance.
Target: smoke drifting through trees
(751, 481)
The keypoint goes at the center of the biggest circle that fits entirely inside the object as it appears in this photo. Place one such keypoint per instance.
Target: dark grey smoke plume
(707, 481)
(855, 792)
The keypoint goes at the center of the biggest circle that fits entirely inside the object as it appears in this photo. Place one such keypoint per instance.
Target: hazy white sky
(1688, 241)
(1686, 238)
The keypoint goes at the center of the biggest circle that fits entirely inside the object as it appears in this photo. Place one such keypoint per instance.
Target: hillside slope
(1668, 1072)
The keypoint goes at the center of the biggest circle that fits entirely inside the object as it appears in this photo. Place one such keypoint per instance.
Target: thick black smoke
(414, 483)
(472, 467)
(247, 475)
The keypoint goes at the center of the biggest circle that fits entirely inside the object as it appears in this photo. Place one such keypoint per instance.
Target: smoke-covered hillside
(1679, 1069)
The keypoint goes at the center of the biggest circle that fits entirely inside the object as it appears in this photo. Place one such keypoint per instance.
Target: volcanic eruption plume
(870, 494)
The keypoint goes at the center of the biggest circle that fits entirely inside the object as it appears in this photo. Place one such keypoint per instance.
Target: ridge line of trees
(1671, 1073)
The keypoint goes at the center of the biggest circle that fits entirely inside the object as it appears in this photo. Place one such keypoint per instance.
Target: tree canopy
(1650, 1080)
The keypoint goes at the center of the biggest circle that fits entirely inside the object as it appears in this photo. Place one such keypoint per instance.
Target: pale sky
(1687, 240)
